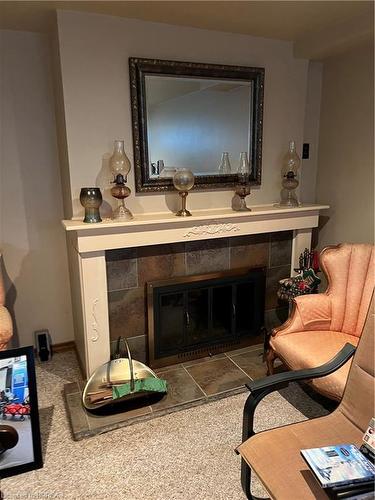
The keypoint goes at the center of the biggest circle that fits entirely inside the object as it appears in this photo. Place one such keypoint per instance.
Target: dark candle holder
(91, 199)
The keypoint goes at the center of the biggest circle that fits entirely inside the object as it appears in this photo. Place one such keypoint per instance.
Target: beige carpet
(185, 455)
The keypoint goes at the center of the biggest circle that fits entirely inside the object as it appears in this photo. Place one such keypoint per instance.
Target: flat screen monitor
(20, 445)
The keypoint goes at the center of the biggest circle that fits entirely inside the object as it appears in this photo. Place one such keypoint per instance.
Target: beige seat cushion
(309, 349)
(275, 457)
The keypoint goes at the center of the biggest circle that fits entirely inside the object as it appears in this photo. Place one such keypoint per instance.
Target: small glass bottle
(244, 168)
(224, 167)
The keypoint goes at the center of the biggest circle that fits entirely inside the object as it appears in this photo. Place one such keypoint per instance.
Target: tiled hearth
(193, 382)
(128, 271)
(189, 384)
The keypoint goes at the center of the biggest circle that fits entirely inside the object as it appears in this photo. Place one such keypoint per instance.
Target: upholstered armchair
(274, 455)
(6, 327)
(320, 325)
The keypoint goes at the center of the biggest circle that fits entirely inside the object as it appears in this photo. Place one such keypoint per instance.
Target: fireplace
(107, 302)
(129, 271)
(201, 315)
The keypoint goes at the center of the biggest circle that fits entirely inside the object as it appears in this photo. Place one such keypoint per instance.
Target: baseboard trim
(64, 346)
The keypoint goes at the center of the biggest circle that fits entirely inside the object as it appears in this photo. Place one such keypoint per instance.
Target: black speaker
(43, 345)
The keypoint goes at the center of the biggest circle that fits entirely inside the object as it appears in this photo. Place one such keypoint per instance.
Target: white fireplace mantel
(165, 227)
(87, 244)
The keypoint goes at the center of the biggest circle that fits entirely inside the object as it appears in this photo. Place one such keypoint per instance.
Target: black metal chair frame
(261, 388)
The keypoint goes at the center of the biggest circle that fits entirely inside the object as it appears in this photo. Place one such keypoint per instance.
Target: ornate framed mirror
(196, 116)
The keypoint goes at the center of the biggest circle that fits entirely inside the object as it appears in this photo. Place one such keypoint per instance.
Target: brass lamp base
(183, 212)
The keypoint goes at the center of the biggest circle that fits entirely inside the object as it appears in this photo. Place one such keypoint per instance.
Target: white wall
(311, 132)
(345, 177)
(31, 237)
(94, 51)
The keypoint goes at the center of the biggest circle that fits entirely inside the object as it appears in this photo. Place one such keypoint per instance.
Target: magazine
(369, 437)
(338, 465)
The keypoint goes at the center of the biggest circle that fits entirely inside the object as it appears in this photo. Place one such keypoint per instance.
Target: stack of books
(342, 469)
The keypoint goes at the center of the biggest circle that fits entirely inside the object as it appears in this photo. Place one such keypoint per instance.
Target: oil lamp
(120, 166)
(290, 182)
(242, 188)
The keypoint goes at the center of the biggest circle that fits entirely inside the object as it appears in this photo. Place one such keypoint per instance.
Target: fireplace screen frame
(234, 278)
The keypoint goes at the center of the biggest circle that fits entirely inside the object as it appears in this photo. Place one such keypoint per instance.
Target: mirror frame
(139, 68)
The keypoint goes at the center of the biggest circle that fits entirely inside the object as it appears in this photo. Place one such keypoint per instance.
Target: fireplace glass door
(192, 317)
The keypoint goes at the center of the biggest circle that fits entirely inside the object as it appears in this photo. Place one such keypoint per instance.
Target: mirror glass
(197, 116)
(192, 122)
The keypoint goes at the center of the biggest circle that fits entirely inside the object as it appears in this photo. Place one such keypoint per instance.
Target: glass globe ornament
(183, 181)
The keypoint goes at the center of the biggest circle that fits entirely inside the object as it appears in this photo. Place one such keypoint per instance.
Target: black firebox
(196, 316)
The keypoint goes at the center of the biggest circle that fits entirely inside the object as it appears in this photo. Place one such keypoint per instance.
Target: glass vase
(91, 199)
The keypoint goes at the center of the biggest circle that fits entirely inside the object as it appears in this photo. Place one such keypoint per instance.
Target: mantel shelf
(169, 218)
(160, 228)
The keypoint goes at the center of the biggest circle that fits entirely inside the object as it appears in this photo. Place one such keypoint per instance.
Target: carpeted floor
(186, 455)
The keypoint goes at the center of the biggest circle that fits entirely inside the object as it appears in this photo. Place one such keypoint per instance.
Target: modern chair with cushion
(6, 327)
(274, 455)
(320, 325)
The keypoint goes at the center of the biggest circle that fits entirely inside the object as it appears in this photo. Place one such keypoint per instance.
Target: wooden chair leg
(270, 359)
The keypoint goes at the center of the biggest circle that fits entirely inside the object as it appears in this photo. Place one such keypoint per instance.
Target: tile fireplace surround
(88, 244)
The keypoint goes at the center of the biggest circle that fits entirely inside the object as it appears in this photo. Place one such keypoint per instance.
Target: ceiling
(271, 19)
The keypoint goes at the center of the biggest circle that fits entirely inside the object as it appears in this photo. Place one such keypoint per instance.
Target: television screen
(20, 448)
